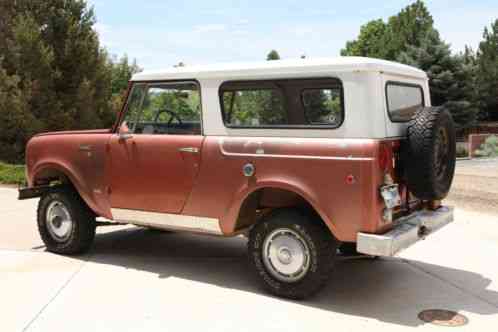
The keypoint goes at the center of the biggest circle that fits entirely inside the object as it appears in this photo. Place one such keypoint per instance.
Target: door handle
(189, 150)
(86, 148)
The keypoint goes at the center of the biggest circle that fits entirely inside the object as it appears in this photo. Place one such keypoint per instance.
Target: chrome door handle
(85, 148)
(189, 150)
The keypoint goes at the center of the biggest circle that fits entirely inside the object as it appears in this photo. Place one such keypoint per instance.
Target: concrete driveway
(138, 280)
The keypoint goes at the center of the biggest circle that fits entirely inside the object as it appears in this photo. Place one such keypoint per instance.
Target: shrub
(11, 174)
(489, 148)
(462, 151)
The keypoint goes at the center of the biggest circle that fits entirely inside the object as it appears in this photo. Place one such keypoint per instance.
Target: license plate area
(390, 194)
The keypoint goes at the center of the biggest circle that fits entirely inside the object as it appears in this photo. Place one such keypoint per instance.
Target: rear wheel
(292, 253)
(65, 223)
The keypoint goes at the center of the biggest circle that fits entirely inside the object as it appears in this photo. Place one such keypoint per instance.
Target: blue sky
(160, 33)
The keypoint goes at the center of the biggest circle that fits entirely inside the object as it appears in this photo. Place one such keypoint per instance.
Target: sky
(161, 33)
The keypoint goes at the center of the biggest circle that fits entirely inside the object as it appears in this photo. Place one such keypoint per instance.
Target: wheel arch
(283, 195)
(51, 172)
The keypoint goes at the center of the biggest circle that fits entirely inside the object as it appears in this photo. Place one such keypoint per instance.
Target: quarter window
(133, 108)
(282, 103)
(403, 101)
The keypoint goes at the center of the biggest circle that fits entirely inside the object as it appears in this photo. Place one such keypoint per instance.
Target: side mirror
(125, 136)
(124, 132)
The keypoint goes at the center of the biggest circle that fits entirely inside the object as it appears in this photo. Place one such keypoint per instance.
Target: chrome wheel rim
(59, 221)
(286, 255)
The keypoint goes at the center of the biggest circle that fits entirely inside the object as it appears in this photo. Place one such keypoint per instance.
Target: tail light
(389, 190)
(385, 157)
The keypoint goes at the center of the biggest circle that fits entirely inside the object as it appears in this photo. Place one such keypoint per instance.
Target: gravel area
(475, 186)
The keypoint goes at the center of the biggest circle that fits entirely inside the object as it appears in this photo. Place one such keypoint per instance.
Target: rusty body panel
(339, 178)
(80, 156)
(315, 169)
(151, 173)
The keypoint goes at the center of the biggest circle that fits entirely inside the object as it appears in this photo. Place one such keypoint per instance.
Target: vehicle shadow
(390, 290)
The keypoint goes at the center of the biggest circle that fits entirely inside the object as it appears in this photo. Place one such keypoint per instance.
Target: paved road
(136, 280)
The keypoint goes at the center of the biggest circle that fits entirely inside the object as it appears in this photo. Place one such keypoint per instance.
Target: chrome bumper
(409, 230)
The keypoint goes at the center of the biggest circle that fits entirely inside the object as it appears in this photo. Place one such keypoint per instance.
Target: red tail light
(385, 156)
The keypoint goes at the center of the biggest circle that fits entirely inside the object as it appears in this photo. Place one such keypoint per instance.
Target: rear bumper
(409, 230)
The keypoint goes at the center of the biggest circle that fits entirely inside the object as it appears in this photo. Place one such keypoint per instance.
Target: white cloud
(235, 38)
(209, 28)
(104, 31)
(463, 26)
(160, 48)
(240, 32)
(102, 28)
(301, 31)
(243, 21)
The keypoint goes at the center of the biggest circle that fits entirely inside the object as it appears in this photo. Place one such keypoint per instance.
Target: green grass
(11, 174)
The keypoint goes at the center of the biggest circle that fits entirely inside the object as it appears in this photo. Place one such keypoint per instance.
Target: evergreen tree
(388, 40)
(17, 123)
(450, 78)
(487, 73)
(464, 99)
(434, 57)
(55, 70)
(273, 55)
(410, 37)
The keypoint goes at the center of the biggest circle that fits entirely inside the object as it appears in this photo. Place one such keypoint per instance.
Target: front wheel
(292, 253)
(66, 224)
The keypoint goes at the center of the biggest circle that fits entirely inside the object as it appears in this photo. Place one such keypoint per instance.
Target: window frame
(402, 84)
(147, 84)
(336, 82)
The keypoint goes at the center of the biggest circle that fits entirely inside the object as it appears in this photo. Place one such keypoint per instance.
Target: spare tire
(429, 153)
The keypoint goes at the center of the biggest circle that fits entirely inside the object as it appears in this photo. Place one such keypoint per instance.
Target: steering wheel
(171, 113)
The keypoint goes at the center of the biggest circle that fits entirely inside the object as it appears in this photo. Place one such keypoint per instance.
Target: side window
(291, 103)
(403, 101)
(322, 106)
(254, 106)
(169, 109)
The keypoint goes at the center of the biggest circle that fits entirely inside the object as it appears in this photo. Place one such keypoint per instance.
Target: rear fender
(230, 219)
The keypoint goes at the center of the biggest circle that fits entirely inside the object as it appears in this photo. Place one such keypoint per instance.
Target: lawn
(11, 174)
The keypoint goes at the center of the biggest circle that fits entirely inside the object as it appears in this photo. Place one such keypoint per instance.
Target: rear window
(403, 100)
(295, 103)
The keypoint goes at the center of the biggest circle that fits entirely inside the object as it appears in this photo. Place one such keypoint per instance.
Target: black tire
(157, 230)
(82, 233)
(429, 153)
(348, 248)
(322, 250)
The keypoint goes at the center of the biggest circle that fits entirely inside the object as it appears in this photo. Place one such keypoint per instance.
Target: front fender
(75, 179)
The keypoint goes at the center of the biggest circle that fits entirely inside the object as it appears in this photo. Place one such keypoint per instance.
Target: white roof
(281, 67)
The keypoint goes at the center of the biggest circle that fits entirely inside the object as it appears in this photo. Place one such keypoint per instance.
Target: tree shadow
(390, 290)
